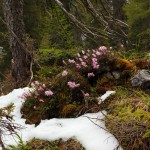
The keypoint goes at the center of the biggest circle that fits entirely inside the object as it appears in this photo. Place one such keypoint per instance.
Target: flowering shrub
(67, 82)
(89, 62)
(64, 73)
(48, 101)
(38, 102)
(39, 92)
(73, 84)
(68, 89)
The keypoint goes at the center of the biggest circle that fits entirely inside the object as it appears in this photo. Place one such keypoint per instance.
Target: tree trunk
(118, 12)
(21, 58)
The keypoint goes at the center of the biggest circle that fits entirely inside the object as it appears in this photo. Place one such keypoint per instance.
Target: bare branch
(109, 27)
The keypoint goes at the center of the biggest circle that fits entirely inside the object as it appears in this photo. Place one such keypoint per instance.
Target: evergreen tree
(138, 17)
(47, 25)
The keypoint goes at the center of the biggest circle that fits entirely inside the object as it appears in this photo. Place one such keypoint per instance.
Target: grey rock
(116, 74)
(142, 80)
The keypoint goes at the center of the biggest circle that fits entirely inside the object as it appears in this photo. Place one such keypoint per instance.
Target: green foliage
(42, 144)
(51, 61)
(138, 18)
(36, 20)
(38, 144)
(47, 26)
(54, 56)
(61, 33)
(20, 146)
(48, 72)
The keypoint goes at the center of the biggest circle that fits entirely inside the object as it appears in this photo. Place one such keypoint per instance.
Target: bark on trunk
(118, 12)
(13, 15)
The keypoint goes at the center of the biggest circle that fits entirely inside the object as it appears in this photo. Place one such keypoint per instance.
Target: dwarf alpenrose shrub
(39, 93)
(88, 62)
(69, 88)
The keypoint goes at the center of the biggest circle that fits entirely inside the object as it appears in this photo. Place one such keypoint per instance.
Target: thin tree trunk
(118, 12)
(13, 15)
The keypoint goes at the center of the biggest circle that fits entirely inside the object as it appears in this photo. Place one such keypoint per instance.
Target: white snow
(91, 136)
(105, 96)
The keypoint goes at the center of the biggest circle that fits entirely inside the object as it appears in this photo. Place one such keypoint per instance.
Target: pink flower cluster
(48, 93)
(25, 95)
(72, 61)
(72, 84)
(86, 94)
(95, 63)
(39, 90)
(88, 59)
(91, 75)
(64, 73)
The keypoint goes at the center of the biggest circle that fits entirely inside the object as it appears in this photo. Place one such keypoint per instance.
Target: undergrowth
(129, 118)
(38, 144)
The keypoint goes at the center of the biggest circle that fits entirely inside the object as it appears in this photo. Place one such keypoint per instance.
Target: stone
(142, 80)
(116, 74)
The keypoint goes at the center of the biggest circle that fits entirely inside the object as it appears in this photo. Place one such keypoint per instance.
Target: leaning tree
(21, 58)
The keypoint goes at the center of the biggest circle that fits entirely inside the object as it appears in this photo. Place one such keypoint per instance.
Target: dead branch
(110, 28)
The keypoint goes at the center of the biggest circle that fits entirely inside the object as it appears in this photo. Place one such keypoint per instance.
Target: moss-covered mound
(37, 144)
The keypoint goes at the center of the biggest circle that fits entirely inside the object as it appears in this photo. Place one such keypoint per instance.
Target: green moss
(129, 118)
(68, 110)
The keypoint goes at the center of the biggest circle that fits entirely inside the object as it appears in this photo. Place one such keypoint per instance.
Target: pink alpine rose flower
(93, 55)
(32, 84)
(110, 48)
(41, 100)
(83, 64)
(40, 89)
(71, 61)
(122, 46)
(37, 82)
(83, 52)
(72, 85)
(37, 94)
(91, 74)
(78, 66)
(48, 93)
(78, 55)
(86, 94)
(85, 57)
(64, 62)
(64, 73)
(43, 85)
(98, 53)
(81, 59)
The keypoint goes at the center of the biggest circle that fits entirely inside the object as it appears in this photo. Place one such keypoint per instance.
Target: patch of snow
(91, 136)
(105, 96)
